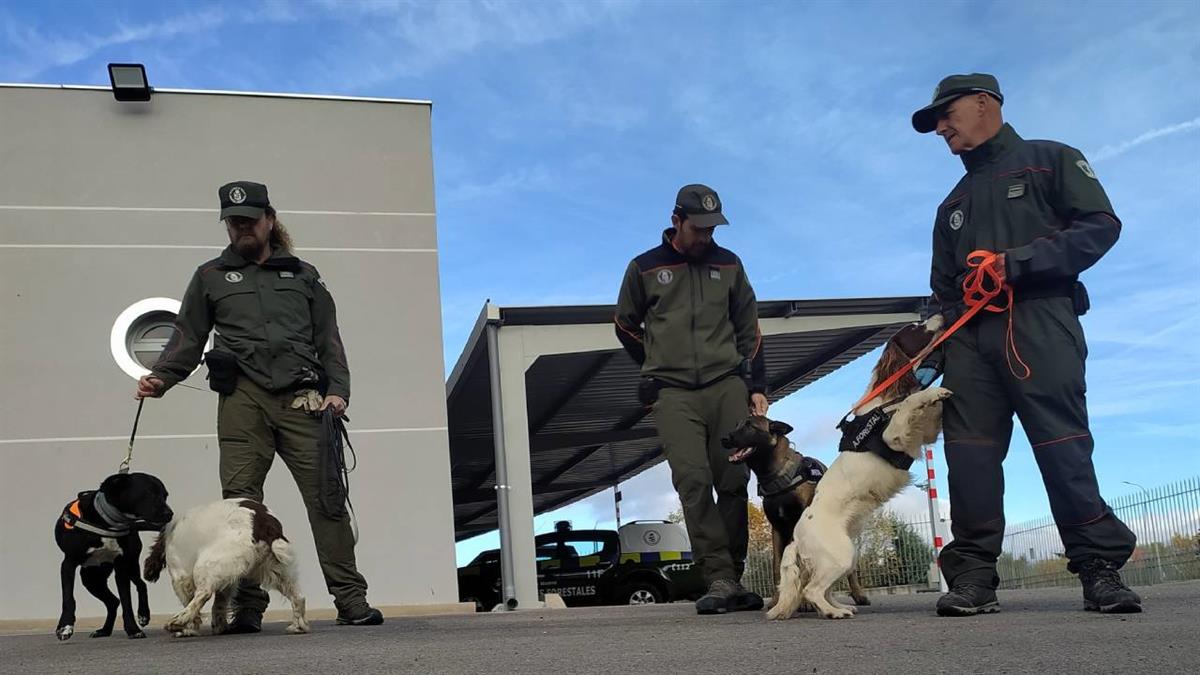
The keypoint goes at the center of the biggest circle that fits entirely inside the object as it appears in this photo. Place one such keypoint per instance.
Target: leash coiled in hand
(982, 285)
(334, 493)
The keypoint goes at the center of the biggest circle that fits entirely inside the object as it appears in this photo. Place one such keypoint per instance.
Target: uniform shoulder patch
(1086, 168)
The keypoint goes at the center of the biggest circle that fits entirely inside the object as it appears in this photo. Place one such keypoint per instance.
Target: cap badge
(709, 203)
(237, 195)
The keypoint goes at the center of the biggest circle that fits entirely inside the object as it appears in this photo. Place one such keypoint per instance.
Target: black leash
(334, 496)
(124, 468)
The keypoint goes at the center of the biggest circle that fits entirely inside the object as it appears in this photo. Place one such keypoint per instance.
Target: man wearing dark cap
(277, 363)
(1039, 206)
(687, 315)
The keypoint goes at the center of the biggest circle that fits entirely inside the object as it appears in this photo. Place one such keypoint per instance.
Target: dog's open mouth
(740, 455)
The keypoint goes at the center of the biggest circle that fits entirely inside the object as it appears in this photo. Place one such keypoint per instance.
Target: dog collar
(72, 517)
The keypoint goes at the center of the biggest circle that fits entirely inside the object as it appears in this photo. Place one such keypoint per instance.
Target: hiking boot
(244, 622)
(363, 615)
(1103, 590)
(967, 599)
(745, 600)
(718, 597)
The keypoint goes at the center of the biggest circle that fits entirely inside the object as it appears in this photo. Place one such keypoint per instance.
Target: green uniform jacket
(276, 318)
(1039, 202)
(690, 322)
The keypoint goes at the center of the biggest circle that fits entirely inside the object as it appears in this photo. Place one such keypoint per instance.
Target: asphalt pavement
(1037, 631)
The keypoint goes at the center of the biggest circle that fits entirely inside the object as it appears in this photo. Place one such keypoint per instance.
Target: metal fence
(894, 551)
(1166, 520)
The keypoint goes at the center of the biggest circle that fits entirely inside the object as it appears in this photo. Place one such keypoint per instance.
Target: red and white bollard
(935, 518)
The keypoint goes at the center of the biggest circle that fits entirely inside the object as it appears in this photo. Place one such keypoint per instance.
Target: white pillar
(516, 518)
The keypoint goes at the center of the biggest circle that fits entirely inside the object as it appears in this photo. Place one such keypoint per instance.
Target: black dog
(99, 533)
(787, 481)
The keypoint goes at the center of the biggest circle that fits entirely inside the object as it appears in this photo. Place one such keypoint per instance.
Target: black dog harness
(796, 470)
(72, 517)
(865, 434)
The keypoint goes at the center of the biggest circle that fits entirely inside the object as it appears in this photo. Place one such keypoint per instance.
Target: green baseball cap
(701, 205)
(950, 88)
(243, 198)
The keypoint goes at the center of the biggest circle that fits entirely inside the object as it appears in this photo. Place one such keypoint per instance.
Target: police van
(644, 562)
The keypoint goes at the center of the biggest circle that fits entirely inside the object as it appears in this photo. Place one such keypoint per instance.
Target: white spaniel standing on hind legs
(877, 448)
(211, 548)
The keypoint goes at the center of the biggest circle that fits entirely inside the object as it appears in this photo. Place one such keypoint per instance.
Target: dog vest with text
(798, 469)
(865, 434)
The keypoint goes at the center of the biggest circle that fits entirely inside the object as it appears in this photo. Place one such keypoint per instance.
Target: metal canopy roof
(586, 427)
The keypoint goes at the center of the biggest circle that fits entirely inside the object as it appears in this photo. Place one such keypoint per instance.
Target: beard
(248, 246)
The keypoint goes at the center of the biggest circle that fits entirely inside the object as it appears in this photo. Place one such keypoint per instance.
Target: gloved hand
(926, 375)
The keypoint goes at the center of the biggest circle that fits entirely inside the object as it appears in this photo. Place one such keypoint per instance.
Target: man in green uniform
(687, 314)
(1040, 207)
(277, 362)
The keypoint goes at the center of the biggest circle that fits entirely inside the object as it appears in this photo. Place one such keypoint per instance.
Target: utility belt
(224, 371)
(1075, 290)
(649, 387)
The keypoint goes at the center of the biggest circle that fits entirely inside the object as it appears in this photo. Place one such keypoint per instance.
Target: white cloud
(40, 50)
(1110, 151)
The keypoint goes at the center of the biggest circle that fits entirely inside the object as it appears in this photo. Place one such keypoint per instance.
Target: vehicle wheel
(641, 593)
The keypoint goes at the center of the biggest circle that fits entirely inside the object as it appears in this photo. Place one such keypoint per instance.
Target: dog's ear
(780, 428)
(115, 483)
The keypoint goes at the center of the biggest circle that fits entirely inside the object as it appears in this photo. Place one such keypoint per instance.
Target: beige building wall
(104, 204)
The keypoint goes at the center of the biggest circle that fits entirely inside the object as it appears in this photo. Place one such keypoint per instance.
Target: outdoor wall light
(129, 81)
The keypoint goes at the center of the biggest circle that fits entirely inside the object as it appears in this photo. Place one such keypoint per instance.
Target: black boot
(745, 600)
(968, 599)
(363, 615)
(718, 597)
(245, 621)
(1103, 590)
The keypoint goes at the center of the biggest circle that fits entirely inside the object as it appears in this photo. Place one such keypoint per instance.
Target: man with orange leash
(1038, 207)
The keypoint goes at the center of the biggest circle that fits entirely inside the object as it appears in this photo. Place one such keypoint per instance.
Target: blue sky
(563, 129)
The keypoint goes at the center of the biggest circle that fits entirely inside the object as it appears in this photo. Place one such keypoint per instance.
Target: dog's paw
(143, 618)
(100, 632)
(298, 627)
(64, 632)
(836, 613)
(776, 613)
(136, 635)
(939, 394)
(862, 601)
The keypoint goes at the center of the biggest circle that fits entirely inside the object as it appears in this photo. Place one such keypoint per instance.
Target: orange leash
(980, 287)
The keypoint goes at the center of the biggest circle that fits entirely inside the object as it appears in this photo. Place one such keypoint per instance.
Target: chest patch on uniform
(233, 277)
(956, 219)
(665, 277)
(714, 273)
(1015, 191)
(287, 275)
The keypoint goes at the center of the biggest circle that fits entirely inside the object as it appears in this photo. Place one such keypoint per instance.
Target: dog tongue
(739, 455)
